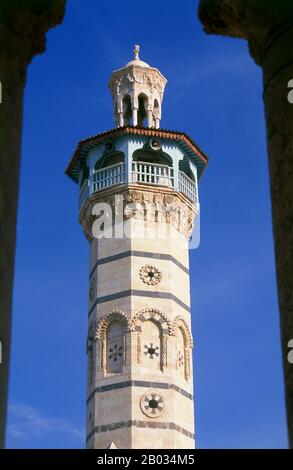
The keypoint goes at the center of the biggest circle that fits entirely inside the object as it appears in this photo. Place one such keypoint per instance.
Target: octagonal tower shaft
(138, 197)
(140, 385)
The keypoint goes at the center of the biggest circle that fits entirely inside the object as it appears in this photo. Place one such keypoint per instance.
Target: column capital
(23, 27)
(260, 22)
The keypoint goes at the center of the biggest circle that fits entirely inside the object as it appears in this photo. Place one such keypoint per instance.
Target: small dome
(137, 90)
(137, 62)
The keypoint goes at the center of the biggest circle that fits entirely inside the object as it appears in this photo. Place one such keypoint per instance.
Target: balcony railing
(142, 172)
(150, 173)
(187, 186)
(108, 176)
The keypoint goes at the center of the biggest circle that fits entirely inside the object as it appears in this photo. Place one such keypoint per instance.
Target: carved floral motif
(150, 274)
(152, 404)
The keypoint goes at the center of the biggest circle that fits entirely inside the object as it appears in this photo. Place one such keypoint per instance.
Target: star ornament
(152, 404)
(115, 352)
(151, 350)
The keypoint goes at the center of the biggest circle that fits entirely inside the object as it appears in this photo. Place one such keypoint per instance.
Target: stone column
(134, 116)
(268, 27)
(23, 24)
(121, 119)
(150, 118)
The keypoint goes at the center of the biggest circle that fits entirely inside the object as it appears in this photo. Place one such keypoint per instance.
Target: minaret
(138, 197)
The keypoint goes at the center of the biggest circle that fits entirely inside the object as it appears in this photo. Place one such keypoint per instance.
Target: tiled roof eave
(85, 145)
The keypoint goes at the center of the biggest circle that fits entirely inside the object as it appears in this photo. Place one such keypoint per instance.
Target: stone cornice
(85, 145)
(23, 27)
(134, 74)
(145, 202)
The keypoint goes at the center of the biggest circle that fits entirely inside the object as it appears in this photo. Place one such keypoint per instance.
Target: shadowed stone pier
(23, 25)
(268, 27)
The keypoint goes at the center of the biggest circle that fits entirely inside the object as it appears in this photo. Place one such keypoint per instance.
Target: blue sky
(214, 94)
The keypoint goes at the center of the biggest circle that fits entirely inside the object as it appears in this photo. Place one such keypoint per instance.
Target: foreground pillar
(23, 25)
(268, 27)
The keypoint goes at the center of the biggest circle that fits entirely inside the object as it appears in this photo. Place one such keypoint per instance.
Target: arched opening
(109, 159)
(152, 156)
(126, 107)
(152, 166)
(184, 166)
(142, 110)
(115, 347)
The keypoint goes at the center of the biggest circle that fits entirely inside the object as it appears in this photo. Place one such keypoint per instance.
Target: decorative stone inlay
(151, 350)
(139, 383)
(152, 404)
(150, 274)
(149, 77)
(100, 327)
(152, 314)
(139, 424)
(115, 352)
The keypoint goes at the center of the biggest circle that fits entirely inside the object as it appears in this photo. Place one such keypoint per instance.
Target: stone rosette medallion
(152, 404)
(150, 274)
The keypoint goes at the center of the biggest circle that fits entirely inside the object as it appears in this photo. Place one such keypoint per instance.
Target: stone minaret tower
(138, 183)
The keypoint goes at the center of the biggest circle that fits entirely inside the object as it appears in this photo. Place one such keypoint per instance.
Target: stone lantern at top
(137, 91)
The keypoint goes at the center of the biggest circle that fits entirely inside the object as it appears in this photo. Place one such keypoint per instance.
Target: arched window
(184, 166)
(152, 328)
(111, 333)
(159, 172)
(152, 156)
(109, 159)
(126, 106)
(115, 347)
(142, 109)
